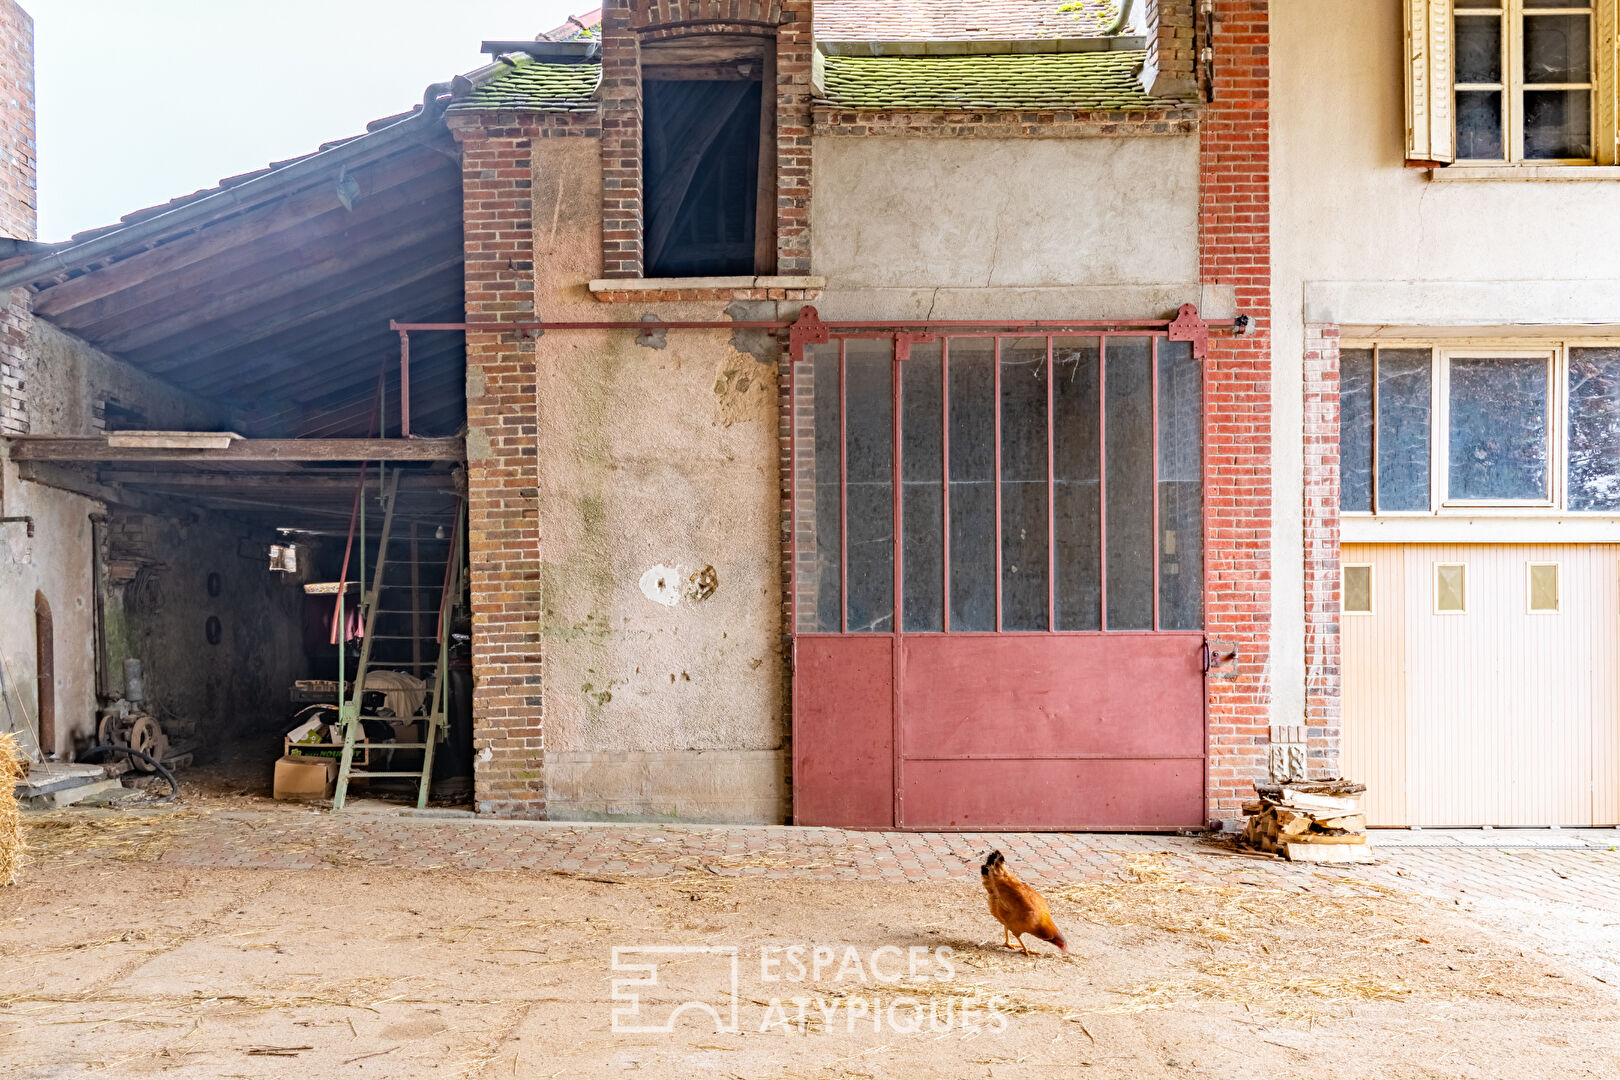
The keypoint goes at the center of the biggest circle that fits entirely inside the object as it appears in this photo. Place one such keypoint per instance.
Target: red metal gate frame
(1187, 326)
(809, 329)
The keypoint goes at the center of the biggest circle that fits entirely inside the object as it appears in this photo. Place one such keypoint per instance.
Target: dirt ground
(114, 963)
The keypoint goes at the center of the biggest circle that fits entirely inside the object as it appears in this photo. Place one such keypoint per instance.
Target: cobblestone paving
(1566, 898)
(290, 841)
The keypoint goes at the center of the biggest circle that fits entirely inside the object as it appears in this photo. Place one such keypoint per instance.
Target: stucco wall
(67, 377)
(63, 378)
(1359, 238)
(913, 228)
(55, 561)
(655, 457)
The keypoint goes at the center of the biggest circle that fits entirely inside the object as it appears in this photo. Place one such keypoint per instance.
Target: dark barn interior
(262, 309)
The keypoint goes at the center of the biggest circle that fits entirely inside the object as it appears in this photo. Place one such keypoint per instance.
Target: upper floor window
(1524, 80)
(1458, 428)
(708, 156)
(1512, 82)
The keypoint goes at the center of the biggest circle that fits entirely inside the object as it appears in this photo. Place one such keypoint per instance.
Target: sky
(143, 100)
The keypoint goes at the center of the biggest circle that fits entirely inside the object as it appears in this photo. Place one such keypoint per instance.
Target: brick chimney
(19, 216)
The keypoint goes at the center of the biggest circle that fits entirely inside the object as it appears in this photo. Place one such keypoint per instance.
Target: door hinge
(1218, 654)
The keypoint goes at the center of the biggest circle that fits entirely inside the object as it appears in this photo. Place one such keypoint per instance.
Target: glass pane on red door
(1128, 446)
(869, 497)
(922, 501)
(973, 483)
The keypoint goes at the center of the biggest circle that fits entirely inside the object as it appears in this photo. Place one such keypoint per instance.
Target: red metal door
(997, 597)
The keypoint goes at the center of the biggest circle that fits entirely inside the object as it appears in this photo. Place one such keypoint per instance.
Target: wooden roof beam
(76, 448)
(306, 306)
(286, 212)
(376, 224)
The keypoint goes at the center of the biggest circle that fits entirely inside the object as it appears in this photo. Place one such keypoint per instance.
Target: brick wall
(795, 48)
(1171, 52)
(502, 472)
(18, 218)
(16, 324)
(621, 143)
(1321, 514)
(1236, 252)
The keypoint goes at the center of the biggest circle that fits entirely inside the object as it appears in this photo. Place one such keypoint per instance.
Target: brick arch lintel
(705, 28)
(647, 14)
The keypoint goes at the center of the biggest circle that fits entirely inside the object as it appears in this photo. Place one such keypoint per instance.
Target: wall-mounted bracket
(1189, 326)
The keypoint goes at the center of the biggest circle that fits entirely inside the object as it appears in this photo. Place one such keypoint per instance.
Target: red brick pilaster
(621, 143)
(1323, 726)
(17, 203)
(1167, 71)
(502, 475)
(795, 46)
(1236, 252)
(18, 216)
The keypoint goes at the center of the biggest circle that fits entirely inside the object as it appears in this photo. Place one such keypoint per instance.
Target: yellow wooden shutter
(1606, 82)
(1430, 136)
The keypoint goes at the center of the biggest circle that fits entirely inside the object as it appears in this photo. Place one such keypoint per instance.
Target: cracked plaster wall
(659, 538)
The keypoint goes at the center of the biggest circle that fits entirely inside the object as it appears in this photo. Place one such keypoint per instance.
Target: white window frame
(1440, 414)
(1435, 593)
(1511, 15)
(1372, 601)
(1441, 350)
(1529, 589)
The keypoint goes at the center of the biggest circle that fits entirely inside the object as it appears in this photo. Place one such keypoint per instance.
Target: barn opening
(223, 395)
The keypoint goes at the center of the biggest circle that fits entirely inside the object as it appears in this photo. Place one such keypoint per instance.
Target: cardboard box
(300, 778)
(406, 733)
(333, 750)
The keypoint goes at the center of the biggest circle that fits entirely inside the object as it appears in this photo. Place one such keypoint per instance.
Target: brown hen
(1018, 908)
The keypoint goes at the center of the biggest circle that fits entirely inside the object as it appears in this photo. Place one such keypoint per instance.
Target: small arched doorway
(45, 668)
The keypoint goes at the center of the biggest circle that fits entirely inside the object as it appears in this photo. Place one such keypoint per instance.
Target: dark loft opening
(701, 174)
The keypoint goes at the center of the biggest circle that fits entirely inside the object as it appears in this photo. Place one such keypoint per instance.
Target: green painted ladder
(349, 714)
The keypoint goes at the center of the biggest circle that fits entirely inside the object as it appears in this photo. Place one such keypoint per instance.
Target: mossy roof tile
(959, 20)
(1078, 81)
(533, 86)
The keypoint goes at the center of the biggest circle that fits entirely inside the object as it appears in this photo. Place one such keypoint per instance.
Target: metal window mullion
(1102, 482)
(1051, 498)
(1153, 389)
(895, 353)
(843, 492)
(996, 476)
(945, 478)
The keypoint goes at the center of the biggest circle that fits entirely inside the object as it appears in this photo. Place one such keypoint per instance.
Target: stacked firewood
(1309, 821)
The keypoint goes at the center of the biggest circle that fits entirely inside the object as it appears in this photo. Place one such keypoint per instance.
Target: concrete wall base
(736, 787)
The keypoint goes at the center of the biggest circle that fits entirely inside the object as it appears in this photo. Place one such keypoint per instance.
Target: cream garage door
(1481, 687)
